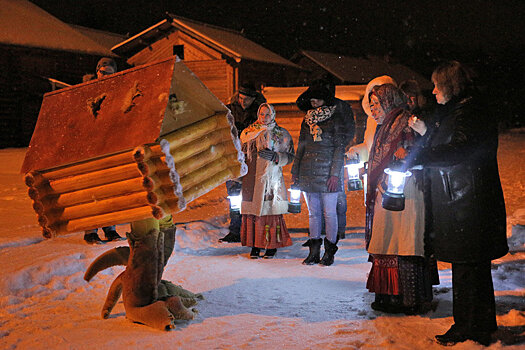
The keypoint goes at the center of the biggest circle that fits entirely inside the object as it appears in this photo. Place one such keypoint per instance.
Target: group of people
(454, 207)
(317, 170)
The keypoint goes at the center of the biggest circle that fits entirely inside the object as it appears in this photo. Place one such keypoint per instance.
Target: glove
(332, 183)
(268, 155)
(401, 153)
(351, 153)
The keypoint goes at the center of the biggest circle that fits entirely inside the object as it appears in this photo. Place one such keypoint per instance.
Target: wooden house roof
(230, 43)
(117, 113)
(357, 70)
(25, 24)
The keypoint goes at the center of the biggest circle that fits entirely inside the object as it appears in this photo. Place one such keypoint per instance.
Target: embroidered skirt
(268, 232)
(407, 276)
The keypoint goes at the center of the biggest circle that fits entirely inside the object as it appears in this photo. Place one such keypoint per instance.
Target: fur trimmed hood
(384, 79)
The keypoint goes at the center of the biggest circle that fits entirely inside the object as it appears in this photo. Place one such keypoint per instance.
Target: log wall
(148, 181)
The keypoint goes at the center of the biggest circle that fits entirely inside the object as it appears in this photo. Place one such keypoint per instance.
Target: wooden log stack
(152, 180)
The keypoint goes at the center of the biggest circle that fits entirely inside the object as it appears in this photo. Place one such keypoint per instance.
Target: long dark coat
(315, 162)
(463, 189)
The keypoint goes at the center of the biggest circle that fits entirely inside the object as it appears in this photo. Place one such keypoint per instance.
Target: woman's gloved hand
(332, 183)
(351, 153)
(401, 153)
(269, 155)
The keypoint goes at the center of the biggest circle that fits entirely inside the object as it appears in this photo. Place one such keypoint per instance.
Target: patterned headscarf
(259, 135)
(390, 97)
(384, 79)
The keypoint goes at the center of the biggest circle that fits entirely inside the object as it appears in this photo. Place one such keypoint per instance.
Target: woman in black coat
(317, 169)
(466, 199)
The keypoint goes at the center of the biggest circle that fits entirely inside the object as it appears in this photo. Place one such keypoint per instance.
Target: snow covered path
(270, 304)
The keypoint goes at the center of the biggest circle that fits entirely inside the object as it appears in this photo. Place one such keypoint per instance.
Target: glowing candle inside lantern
(235, 202)
(294, 206)
(352, 167)
(394, 198)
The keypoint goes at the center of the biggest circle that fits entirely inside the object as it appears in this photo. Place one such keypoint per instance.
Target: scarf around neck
(258, 136)
(317, 115)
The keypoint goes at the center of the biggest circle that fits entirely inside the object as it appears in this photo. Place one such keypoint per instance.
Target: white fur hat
(384, 79)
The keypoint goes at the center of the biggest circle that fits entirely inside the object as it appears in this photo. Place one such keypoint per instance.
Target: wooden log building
(221, 58)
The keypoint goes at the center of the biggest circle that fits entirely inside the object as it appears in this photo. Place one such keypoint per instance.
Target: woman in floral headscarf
(268, 148)
(400, 275)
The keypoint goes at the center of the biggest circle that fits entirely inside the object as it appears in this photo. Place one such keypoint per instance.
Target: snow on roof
(362, 70)
(229, 42)
(131, 46)
(277, 95)
(116, 113)
(25, 24)
(106, 39)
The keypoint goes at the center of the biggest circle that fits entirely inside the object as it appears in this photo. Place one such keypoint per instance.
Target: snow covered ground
(265, 304)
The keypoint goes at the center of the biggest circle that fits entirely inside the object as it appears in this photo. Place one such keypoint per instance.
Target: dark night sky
(488, 35)
(348, 27)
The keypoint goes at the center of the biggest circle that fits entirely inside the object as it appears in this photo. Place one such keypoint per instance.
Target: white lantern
(394, 198)
(352, 167)
(294, 205)
(235, 203)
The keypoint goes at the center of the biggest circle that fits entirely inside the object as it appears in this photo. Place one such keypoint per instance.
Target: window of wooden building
(178, 50)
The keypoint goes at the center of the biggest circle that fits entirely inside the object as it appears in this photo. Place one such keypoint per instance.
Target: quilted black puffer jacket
(315, 162)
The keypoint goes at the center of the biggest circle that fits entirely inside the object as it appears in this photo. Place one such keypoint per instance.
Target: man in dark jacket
(466, 200)
(105, 66)
(303, 103)
(244, 106)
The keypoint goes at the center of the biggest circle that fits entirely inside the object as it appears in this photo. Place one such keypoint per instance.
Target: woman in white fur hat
(363, 149)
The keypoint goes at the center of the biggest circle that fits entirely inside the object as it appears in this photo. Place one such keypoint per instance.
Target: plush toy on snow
(148, 299)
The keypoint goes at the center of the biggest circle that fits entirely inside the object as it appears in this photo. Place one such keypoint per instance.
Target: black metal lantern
(352, 167)
(294, 205)
(394, 198)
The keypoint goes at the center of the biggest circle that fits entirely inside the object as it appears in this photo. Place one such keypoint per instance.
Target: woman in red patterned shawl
(399, 277)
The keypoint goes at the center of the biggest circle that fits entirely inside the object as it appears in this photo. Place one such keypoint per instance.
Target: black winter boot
(269, 253)
(113, 236)
(92, 238)
(254, 254)
(315, 251)
(329, 251)
(231, 237)
(234, 236)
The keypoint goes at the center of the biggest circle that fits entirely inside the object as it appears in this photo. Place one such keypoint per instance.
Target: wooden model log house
(134, 145)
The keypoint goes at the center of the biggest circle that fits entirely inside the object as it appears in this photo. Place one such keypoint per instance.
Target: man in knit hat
(105, 66)
(244, 106)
